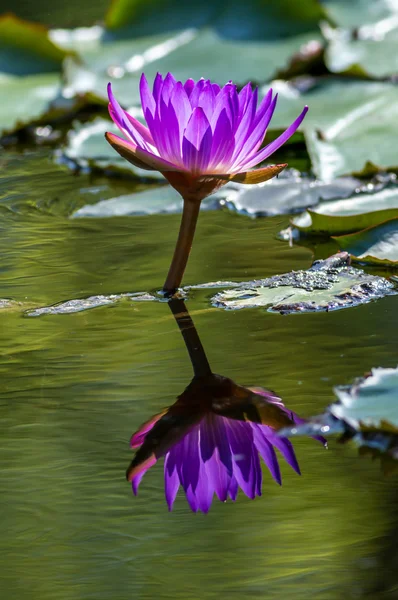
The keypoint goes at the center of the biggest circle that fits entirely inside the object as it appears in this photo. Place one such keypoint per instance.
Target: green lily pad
(28, 99)
(349, 123)
(352, 13)
(349, 215)
(287, 194)
(155, 200)
(25, 48)
(264, 19)
(371, 402)
(189, 53)
(377, 245)
(366, 412)
(196, 40)
(328, 285)
(371, 52)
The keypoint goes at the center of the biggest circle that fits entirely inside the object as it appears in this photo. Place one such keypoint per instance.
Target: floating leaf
(193, 40)
(371, 402)
(367, 43)
(287, 194)
(83, 304)
(328, 285)
(376, 245)
(366, 412)
(155, 200)
(262, 19)
(348, 124)
(25, 48)
(349, 215)
(352, 13)
(369, 53)
(28, 99)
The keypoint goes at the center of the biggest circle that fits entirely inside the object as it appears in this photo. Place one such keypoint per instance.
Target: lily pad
(287, 194)
(82, 304)
(349, 215)
(376, 245)
(348, 124)
(159, 200)
(28, 99)
(25, 48)
(371, 52)
(366, 412)
(262, 19)
(193, 40)
(328, 285)
(187, 53)
(371, 402)
(352, 13)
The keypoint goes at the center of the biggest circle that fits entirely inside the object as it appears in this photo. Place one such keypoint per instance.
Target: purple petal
(233, 488)
(244, 126)
(157, 86)
(241, 441)
(207, 100)
(179, 111)
(223, 102)
(222, 146)
(147, 100)
(195, 93)
(204, 491)
(256, 137)
(192, 500)
(140, 471)
(130, 127)
(216, 88)
(170, 133)
(196, 144)
(219, 465)
(155, 127)
(188, 86)
(284, 446)
(233, 95)
(167, 88)
(244, 97)
(190, 462)
(267, 452)
(136, 482)
(171, 479)
(273, 146)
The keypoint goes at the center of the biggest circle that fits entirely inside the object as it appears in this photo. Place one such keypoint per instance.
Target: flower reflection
(212, 439)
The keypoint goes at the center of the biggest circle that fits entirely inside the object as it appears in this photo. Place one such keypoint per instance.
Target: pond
(76, 385)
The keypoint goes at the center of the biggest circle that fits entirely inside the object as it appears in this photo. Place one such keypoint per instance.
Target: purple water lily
(199, 136)
(199, 129)
(209, 448)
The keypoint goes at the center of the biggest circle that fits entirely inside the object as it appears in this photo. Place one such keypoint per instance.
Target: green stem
(189, 219)
(200, 364)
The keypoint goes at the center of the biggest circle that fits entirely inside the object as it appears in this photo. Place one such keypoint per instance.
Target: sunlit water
(74, 387)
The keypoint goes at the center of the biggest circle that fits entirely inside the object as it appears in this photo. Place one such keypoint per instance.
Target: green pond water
(74, 387)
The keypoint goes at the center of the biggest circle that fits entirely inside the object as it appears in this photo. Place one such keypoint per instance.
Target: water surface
(74, 387)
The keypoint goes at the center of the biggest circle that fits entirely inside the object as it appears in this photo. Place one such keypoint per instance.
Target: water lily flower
(199, 136)
(212, 439)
